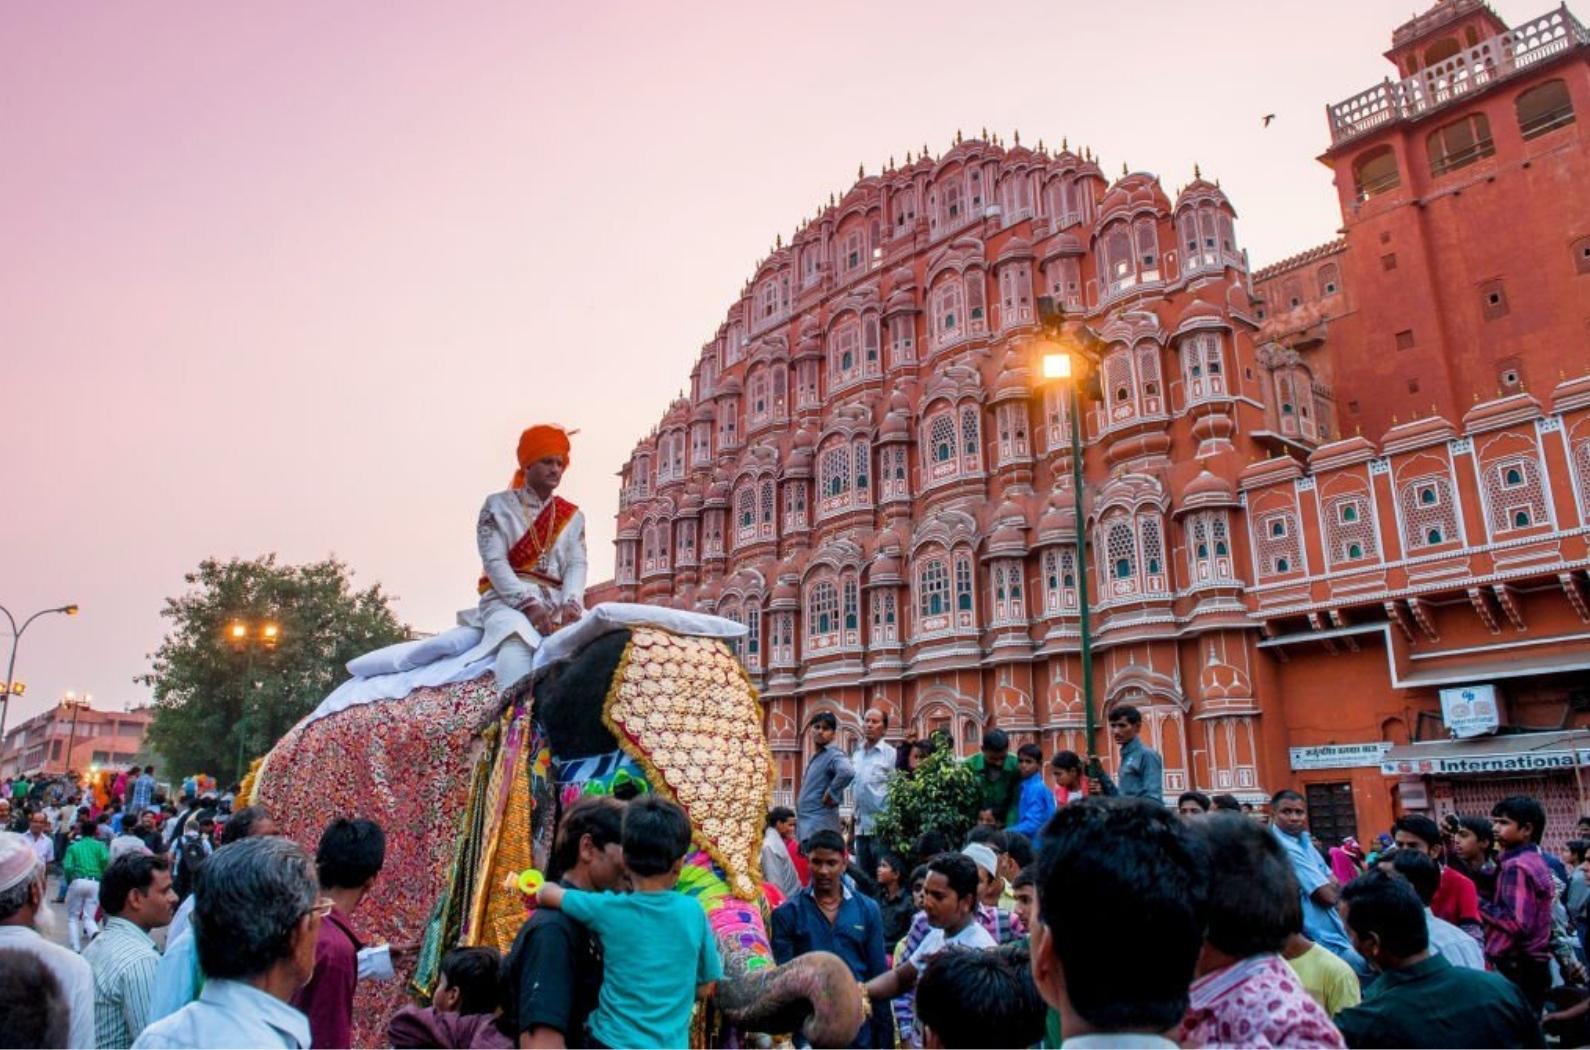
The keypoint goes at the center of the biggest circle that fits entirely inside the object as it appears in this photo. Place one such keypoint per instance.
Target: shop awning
(1513, 753)
(1487, 670)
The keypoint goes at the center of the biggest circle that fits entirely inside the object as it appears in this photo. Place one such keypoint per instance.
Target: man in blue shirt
(1319, 888)
(823, 786)
(1142, 772)
(828, 916)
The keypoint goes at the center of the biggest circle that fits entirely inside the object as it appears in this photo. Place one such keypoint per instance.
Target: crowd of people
(1076, 911)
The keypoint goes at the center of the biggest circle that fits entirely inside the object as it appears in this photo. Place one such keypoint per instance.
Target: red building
(76, 738)
(869, 472)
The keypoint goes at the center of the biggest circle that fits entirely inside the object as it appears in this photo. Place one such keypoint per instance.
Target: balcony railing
(1472, 69)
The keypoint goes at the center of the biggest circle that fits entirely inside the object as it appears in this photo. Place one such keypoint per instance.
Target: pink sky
(291, 277)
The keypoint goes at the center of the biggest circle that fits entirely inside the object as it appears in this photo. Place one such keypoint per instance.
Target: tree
(221, 702)
(942, 795)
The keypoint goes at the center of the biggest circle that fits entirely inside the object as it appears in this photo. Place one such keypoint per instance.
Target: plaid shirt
(1517, 918)
(123, 959)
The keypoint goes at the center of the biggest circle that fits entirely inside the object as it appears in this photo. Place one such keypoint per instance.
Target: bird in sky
(1267, 118)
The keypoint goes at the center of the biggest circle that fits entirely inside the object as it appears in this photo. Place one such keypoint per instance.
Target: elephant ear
(685, 710)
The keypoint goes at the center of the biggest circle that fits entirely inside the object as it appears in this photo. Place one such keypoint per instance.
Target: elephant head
(447, 766)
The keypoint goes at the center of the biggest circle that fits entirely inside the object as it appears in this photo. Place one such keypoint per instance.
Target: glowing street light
(12, 687)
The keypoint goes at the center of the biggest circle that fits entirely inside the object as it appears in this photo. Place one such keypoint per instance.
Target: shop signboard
(1470, 710)
(1340, 756)
(1502, 762)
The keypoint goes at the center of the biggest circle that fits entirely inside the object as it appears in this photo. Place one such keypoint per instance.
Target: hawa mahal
(1338, 508)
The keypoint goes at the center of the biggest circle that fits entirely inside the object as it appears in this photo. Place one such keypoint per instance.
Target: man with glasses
(257, 921)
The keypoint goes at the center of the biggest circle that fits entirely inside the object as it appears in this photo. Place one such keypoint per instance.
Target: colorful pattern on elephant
(407, 765)
(685, 710)
(736, 924)
(609, 774)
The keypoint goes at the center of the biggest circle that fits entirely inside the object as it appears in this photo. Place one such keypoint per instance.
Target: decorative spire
(958, 139)
(891, 161)
(1040, 147)
(861, 172)
(830, 199)
(984, 135)
(778, 242)
(1065, 144)
(1197, 172)
(908, 157)
(1123, 169)
(1017, 134)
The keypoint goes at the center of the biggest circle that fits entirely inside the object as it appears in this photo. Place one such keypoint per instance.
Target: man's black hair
(924, 747)
(930, 844)
(473, 971)
(130, 871)
(1194, 796)
(825, 719)
(1065, 760)
(1578, 848)
(996, 740)
(1027, 876)
(1254, 901)
(599, 816)
(824, 838)
(988, 835)
(1126, 713)
(778, 815)
(36, 1010)
(1018, 847)
(1030, 751)
(896, 865)
(918, 874)
(241, 823)
(980, 998)
(1420, 826)
(1285, 795)
(656, 835)
(959, 870)
(350, 854)
(1479, 827)
(1115, 874)
(1521, 810)
(1382, 904)
(1419, 869)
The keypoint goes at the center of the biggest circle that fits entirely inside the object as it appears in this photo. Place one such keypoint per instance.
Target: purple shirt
(327, 999)
(1517, 918)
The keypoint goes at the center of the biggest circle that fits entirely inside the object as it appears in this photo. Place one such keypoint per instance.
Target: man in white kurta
(532, 553)
(22, 896)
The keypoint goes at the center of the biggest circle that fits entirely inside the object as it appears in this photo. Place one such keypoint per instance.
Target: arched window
(1543, 108)
(1148, 377)
(852, 605)
(822, 612)
(1209, 552)
(941, 439)
(1059, 580)
(1459, 144)
(948, 324)
(745, 515)
(1278, 544)
(1119, 266)
(971, 442)
(766, 504)
(1153, 548)
(1015, 294)
(1203, 366)
(844, 356)
(1515, 496)
(933, 591)
(1428, 512)
(1375, 172)
(963, 584)
(1148, 249)
(835, 472)
(976, 301)
(869, 346)
(862, 460)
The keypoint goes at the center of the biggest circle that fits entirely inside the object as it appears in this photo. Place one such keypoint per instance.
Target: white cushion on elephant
(398, 670)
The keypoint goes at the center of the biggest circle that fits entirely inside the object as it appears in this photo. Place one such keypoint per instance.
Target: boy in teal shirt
(647, 997)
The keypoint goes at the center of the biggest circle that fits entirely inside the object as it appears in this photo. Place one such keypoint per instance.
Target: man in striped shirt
(137, 896)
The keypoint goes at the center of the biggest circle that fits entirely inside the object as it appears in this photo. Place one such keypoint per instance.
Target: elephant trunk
(815, 993)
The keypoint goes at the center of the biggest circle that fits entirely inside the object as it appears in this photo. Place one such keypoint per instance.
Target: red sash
(525, 555)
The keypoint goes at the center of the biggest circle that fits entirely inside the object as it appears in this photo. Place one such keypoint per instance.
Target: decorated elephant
(470, 794)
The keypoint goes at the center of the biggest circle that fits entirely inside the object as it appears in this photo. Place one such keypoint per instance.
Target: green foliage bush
(942, 795)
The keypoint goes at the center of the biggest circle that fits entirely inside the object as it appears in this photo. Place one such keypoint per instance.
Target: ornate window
(895, 472)
(834, 473)
(885, 627)
(965, 591)
(861, 460)
(700, 444)
(941, 440)
(1009, 602)
(712, 525)
(1199, 229)
(852, 611)
(1147, 250)
(767, 299)
(745, 514)
(729, 423)
(784, 638)
(933, 595)
(1120, 267)
(844, 354)
(1132, 383)
(1203, 366)
(822, 616)
(1015, 197)
(1209, 547)
(1015, 294)
(1056, 417)
(685, 543)
(852, 252)
(1012, 419)
(1581, 468)
(753, 636)
(794, 505)
(952, 451)
(806, 392)
(971, 438)
(1065, 281)
(1330, 280)
(1152, 544)
(870, 363)
(759, 408)
(1514, 496)
(1119, 552)
(1059, 580)
(765, 507)
(949, 321)
(1350, 530)
(976, 302)
(1459, 144)
(1148, 378)
(903, 205)
(1278, 545)
(902, 339)
(626, 561)
(1428, 514)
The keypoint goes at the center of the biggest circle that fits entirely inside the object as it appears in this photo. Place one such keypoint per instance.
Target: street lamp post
(11, 687)
(1059, 364)
(245, 640)
(77, 704)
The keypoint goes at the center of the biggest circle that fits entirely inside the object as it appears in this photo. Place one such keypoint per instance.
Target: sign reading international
(1340, 756)
(1514, 762)
(1470, 710)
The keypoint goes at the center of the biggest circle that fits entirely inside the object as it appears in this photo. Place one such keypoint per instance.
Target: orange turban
(537, 443)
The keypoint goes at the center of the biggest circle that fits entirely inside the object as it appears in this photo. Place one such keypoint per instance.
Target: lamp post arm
(1084, 624)
(11, 665)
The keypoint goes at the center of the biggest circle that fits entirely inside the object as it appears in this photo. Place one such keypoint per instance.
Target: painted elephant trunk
(815, 994)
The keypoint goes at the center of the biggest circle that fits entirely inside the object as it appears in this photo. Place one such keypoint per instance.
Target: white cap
(983, 856)
(18, 861)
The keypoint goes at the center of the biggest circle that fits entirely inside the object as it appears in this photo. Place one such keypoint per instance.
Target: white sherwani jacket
(505, 517)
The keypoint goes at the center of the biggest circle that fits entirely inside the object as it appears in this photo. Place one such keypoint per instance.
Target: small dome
(895, 424)
(885, 567)
(786, 590)
(1006, 537)
(1202, 189)
(1221, 681)
(727, 386)
(1058, 519)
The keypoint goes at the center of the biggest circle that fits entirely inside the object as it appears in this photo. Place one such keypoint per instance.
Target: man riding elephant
(476, 740)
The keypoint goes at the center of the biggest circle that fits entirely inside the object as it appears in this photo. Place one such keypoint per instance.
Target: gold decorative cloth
(685, 710)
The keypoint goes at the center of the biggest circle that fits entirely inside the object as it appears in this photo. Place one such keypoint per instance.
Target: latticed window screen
(862, 461)
(1350, 530)
(963, 584)
(934, 588)
(822, 610)
(836, 471)
(941, 439)
(852, 605)
(1277, 544)
(969, 442)
(745, 511)
(1120, 552)
(766, 502)
(1153, 545)
(1428, 514)
(1581, 468)
(1514, 496)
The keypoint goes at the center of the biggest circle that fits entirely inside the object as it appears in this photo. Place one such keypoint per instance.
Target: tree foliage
(220, 703)
(942, 795)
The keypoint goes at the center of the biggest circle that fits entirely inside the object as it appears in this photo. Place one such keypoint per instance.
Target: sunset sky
(292, 276)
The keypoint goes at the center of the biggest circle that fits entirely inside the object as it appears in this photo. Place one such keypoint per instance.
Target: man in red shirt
(1455, 899)
(347, 862)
